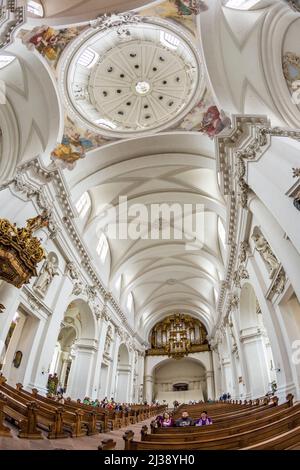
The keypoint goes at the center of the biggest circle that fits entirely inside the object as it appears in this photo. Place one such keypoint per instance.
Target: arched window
(102, 248)
(88, 58)
(83, 204)
(169, 40)
(35, 8)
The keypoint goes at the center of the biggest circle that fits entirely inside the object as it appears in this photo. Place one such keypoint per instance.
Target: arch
(123, 375)
(82, 318)
(32, 105)
(187, 370)
(248, 307)
(123, 355)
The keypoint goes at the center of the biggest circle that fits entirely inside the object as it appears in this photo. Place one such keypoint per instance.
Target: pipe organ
(177, 336)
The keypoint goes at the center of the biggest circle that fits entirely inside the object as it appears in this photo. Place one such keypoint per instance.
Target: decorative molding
(294, 191)
(11, 18)
(241, 273)
(278, 284)
(245, 142)
(265, 251)
(113, 20)
(294, 4)
(30, 191)
(30, 180)
(35, 302)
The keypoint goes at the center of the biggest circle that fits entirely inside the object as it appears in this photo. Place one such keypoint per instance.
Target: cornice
(245, 142)
(30, 180)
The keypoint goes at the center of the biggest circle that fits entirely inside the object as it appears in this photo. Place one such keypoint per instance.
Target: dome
(133, 78)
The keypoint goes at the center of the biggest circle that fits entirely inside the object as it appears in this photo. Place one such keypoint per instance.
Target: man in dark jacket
(185, 420)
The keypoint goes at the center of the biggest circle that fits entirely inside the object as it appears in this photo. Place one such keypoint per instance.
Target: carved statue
(263, 247)
(78, 288)
(72, 270)
(35, 223)
(108, 340)
(294, 4)
(48, 271)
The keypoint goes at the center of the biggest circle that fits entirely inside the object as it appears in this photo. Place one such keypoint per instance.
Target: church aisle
(81, 443)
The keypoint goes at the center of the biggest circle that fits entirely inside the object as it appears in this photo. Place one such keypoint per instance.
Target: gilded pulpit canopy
(20, 251)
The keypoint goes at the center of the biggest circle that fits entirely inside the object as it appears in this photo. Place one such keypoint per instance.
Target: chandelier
(20, 251)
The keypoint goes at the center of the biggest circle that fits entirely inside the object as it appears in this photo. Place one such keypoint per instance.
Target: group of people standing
(225, 396)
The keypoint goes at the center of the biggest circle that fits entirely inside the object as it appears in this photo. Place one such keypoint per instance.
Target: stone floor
(80, 443)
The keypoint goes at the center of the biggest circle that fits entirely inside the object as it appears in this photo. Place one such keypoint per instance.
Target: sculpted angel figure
(49, 270)
(263, 247)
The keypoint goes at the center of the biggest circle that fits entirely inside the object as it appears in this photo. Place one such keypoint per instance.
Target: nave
(260, 424)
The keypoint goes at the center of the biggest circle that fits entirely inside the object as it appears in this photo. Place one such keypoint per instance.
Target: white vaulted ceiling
(162, 275)
(72, 11)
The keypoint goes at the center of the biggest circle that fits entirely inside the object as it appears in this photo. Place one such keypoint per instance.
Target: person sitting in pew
(60, 399)
(95, 403)
(204, 420)
(166, 421)
(86, 401)
(185, 420)
(156, 423)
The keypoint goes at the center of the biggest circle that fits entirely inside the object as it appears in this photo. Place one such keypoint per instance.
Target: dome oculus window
(169, 40)
(35, 8)
(88, 58)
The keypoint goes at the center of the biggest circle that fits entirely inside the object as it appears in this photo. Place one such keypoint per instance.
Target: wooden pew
(84, 418)
(224, 424)
(51, 420)
(4, 430)
(71, 420)
(107, 444)
(23, 416)
(284, 441)
(222, 421)
(204, 432)
(235, 441)
(101, 413)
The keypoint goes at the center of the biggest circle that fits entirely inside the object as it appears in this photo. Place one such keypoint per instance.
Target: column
(50, 335)
(131, 377)
(217, 374)
(235, 385)
(279, 339)
(210, 384)
(10, 298)
(82, 367)
(243, 362)
(284, 250)
(103, 326)
(141, 372)
(113, 376)
(148, 388)
(63, 371)
(254, 350)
